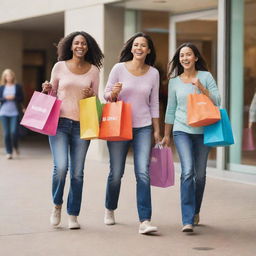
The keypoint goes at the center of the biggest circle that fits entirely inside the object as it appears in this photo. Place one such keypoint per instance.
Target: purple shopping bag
(161, 167)
(248, 140)
(42, 114)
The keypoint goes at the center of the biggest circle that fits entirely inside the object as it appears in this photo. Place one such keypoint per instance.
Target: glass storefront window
(249, 157)
(242, 80)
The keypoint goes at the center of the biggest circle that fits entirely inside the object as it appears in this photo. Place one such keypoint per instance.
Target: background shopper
(11, 98)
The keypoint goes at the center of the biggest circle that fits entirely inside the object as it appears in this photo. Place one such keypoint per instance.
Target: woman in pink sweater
(136, 81)
(74, 77)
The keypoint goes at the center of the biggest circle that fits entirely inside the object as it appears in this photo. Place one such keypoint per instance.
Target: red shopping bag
(248, 140)
(161, 167)
(42, 114)
(201, 111)
(116, 123)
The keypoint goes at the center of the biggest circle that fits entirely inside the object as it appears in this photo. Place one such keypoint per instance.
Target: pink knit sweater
(68, 87)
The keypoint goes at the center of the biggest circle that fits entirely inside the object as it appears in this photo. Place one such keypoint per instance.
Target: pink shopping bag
(42, 114)
(248, 140)
(161, 167)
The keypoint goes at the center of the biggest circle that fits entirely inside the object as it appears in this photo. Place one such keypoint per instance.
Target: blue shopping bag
(220, 133)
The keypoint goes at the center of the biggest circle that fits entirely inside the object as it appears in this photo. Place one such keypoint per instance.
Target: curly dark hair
(93, 56)
(126, 54)
(174, 66)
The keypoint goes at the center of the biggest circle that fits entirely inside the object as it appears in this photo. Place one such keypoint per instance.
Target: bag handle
(159, 145)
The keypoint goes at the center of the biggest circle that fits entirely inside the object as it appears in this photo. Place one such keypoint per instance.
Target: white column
(221, 71)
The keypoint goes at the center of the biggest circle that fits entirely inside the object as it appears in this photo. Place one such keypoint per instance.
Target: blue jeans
(193, 156)
(141, 144)
(10, 129)
(68, 152)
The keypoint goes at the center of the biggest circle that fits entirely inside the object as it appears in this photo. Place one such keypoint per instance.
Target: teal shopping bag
(220, 133)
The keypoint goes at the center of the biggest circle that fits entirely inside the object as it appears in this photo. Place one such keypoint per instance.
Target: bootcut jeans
(193, 156)
(69, 153)
(141, 145)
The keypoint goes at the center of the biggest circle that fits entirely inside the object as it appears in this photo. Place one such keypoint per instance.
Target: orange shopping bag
(201, 111)
(116, 123)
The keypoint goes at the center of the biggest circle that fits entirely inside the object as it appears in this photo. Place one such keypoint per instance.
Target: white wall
(10, 57)
(11, 46)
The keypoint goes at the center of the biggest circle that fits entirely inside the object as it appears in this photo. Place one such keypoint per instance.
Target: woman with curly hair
(74, 77)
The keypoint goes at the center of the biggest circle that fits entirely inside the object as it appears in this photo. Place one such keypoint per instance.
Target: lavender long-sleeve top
(142, 92)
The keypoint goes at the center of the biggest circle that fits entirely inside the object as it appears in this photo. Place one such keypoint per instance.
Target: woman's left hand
(196, 82)
(87, 92)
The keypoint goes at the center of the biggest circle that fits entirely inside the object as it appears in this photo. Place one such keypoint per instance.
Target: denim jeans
(68, 152)
(193, 156)
(10, 129)
(141, 145)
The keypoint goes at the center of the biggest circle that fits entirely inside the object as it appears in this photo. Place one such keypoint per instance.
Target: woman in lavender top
(188, 73)
(134, 80)
(11, 98)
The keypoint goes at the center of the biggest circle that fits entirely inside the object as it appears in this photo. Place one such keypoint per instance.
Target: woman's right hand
(116, 89)
(46, 87)
(166, 141)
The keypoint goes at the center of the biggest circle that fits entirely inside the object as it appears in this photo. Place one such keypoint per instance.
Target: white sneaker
(187, 228)
(109, 217)
(146, 227)
(72, 222)
(56, 215)
(9, 156)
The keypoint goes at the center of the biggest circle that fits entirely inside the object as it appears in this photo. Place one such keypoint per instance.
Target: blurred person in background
(11, 99)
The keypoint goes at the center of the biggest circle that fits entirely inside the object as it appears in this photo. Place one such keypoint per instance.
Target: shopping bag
(42, 114)
(161, 167)
(116, 122)
(90, 116)
(201, 111)
(248, 140)
(220, 133)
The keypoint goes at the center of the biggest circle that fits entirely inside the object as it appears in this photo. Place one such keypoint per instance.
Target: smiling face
(79, 46)
(187, 58)
(140, 48)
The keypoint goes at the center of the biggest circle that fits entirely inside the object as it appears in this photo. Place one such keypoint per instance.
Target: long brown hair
(174, 66)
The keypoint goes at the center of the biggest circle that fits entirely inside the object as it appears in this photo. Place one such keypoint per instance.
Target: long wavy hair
(3, 76)
(126, 54)
(174, 66)
(94, 54)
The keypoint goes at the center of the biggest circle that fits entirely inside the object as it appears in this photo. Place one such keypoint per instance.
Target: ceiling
(53, 22)
(172, 6)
